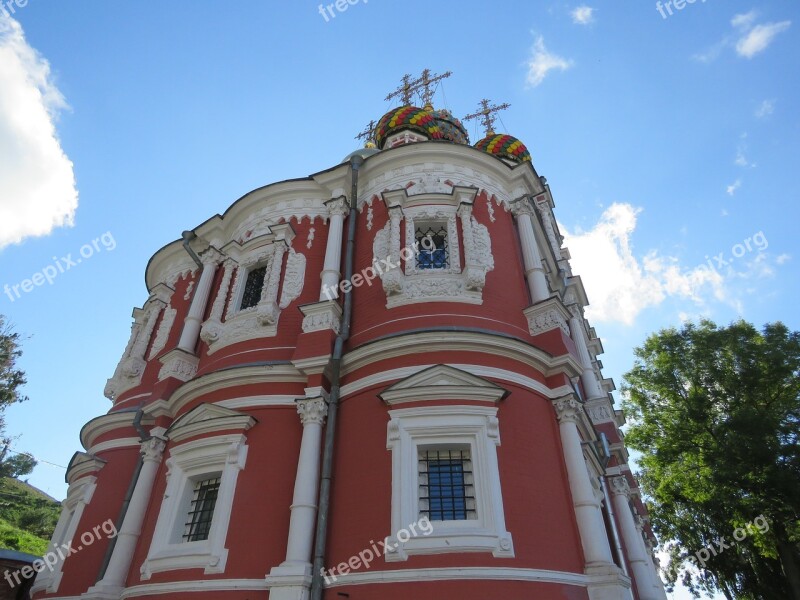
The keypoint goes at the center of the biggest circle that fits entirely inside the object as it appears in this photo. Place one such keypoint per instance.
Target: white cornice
(479, 370)
(128, 442)
(460, 573)
(207, 418)
(105, 423)
(460, 341)
(233, 377)
(197, 585)
(442, 382)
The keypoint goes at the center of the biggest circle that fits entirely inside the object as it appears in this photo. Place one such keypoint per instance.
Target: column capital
(620, 485)
(153, 449)
(568, 409)
(211, 257)
(338, 206)
(521, 206)
(312, 410)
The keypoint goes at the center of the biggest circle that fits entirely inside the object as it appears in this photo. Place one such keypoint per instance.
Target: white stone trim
(442, 382)
(199, 585)
(128, 442)
(478, 370)
(475, 426)
(208, 418)
(258, 401)
(79, 495)
(193, 460)
(460, 573)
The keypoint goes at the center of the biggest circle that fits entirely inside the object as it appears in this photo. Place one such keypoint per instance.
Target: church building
(376, 381)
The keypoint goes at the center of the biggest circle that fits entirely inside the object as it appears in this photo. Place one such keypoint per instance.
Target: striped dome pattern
(504, 146)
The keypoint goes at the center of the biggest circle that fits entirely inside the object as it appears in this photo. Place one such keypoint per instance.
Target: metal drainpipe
(613, 522)
(144, 436)
(335, 364)
(188, 236)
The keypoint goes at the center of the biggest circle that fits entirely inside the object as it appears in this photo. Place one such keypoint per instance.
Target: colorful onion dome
(406, 117)
(450, 127)
(504, 146)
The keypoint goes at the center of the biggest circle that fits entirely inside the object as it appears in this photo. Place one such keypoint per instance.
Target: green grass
(27, 517)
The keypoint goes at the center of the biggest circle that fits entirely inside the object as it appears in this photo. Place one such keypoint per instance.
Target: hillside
(27, 517)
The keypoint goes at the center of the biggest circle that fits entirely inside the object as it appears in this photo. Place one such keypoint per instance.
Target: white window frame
(199, 459)
(440, 215)
(79, 495)
(474, 426)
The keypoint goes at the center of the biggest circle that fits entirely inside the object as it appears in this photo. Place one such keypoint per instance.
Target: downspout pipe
(612, 517)
(188, 236)
(326, 474)
(143, 437)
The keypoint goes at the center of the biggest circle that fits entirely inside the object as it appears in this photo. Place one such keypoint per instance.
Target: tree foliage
(11, 381)
(715, 413)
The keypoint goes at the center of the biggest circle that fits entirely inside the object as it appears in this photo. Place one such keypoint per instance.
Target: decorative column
(212, 328)
(267, 312)
(338, 209)
(134, 365)
(596, 548)
(588, 377)
(534, 271)
(641, 567)
(392, 279)
(191, 327)
(113, 581)
(292, 579)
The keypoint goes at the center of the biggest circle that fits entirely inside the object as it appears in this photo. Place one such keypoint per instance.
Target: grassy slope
(27, 517)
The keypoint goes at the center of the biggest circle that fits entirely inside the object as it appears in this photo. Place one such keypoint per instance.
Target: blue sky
(668, 141)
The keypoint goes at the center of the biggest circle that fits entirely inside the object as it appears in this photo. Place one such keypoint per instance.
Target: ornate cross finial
(426, 83)
(368, 135)
(486, 114)
(404, 91)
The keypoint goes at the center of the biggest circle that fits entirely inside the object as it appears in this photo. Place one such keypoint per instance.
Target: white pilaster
(534, 271)
(596, 548)
(113, 581)
(193, 321)
(578, 334)
(338, 210)
(292, 579)
(642, 568)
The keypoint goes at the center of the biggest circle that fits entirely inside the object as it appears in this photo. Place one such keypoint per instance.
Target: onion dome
(504, 146)
(406, 117)
(450, 127)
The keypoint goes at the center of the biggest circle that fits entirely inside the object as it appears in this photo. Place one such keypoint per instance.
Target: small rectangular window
(201, 510)
(252, 287)
(446, 484)
(434, 250)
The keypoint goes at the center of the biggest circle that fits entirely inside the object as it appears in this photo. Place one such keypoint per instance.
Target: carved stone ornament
(568, 409)
(153, 449)
(620, 485)
(178, 364)
(293, 278)
(546, 316)
(312, 410)
(320, 316)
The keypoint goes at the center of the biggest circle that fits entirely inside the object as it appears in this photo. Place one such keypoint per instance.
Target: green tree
(715, 413)
(11, 381)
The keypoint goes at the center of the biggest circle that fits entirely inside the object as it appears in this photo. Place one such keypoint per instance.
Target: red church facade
(376, 381)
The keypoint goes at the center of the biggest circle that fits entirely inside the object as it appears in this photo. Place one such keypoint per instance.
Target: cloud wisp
(542, 62)
(37, 182)
(582, 15)
(748, 38)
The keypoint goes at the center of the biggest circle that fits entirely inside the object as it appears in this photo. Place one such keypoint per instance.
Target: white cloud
(620, 286)
(724, 212)
(759, 37)
(37, 183)
(783, 259)
(734, 187)
(582, 15)
(745, 20)
(749, 39)
(542, 62)
(767, 107)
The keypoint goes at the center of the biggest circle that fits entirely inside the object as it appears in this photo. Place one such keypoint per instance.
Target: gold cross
(486, 114)
(368, 135)
(411, 86)
(404, 91)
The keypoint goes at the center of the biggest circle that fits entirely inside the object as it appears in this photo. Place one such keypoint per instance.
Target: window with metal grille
(252, 287)
(434, 250)
(446, 485)
(201, 510)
